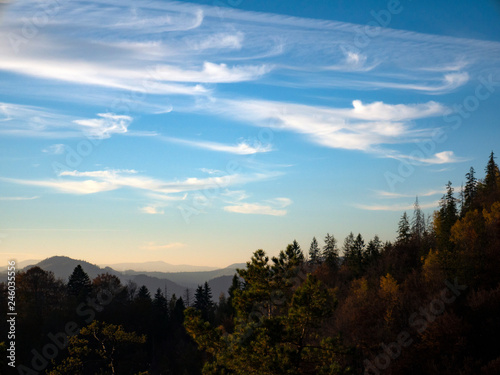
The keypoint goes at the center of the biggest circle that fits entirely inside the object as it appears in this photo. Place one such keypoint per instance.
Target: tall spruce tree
(469, 192)
(314, 252)
(404, 232)
(79, 284)
(418, 221)
(491, 173)
(330, 251)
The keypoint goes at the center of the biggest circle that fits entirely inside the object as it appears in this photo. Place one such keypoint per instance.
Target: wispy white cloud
(242, 148)
(64, 186)
(105, 125)
(395, 207)
(108, 180)
(447, 83)
(79, 45)
(153, 246)
(365, 127)
(152, 210)
(211, 171)
(31, 121)
(273, 207)
(353, 62)
(443, 157)
(55, 149)
(428, 193)
(211, 73)
(18, 198)
(216, 41)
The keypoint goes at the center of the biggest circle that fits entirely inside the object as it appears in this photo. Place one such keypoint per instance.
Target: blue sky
(198, 132)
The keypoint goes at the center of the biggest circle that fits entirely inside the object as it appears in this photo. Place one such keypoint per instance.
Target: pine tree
(314, 252)
(373, 250)
(445, 218)
(492, 173)
(143, 294)
(330, 251)
(403, 229)
(79, 284)
(187, 297)
(203, 300)
(199, 298)
(207, 294)
(294, 253)
(469, 192)
(418, 221)
(348, 245)
(159, 300)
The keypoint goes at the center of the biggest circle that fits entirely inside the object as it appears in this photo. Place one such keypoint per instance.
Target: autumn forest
(427, 303)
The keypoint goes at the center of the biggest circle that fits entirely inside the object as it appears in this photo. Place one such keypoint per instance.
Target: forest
(427, 303)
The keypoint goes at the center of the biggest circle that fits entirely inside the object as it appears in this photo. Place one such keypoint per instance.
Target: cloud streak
(81, 183)
(272, 207)
(242, 148)
(365, 127)
(395, 207)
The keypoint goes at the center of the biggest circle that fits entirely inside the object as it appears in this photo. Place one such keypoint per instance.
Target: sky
(198, 132)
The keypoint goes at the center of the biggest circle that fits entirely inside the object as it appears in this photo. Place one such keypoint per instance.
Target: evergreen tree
(160, 303)
(492, 173)
(187, 297)
(418, 221)
(199, 298)
(314, 252)
(79, 284)
(348, 246)
(469, 192)
(373, 250)
(294, 253)
(404, 232)
(203, 300)
(330, 251)
(143, 294)
(207, 293)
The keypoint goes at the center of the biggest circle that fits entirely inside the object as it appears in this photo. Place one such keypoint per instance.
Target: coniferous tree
(373, 250)
(187, 297)
(203, 300)
(79, 284)
(314, 252)
(418, 221)
(492, 173)
(330, 251)
(294, 253)
(348, 246)
(159, 301)
(199, 298)
(404, 232)
(470, 191)
(445, 218)
(143, 294)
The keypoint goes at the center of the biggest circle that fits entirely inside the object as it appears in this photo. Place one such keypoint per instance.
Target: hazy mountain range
(171, 282)
(158, 266)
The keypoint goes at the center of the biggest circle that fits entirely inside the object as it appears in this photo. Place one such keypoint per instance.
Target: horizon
(195, 134)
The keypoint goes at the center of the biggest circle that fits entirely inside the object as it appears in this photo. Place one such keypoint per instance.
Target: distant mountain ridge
(169, 282)
(158, 266)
